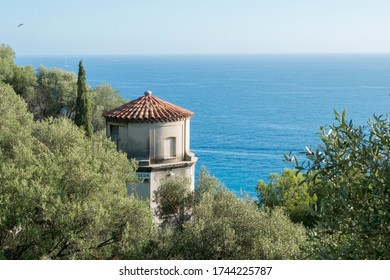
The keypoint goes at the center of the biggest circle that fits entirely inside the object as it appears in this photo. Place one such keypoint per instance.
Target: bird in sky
(20, 25)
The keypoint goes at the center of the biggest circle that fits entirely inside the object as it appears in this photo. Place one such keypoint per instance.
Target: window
(114, 132)
(170, 147)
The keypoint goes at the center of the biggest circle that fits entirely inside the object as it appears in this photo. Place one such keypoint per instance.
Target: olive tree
(104, 98)
(173, 199)
(63, 195)
(55, 95)
(351, 174)
(223, 226)
(22, 79)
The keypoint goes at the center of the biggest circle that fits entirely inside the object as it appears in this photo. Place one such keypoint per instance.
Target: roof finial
(147, 93)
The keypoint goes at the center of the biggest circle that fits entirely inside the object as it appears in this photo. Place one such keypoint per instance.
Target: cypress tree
(83, 103)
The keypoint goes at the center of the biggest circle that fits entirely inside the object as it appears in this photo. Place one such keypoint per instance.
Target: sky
(143, 27)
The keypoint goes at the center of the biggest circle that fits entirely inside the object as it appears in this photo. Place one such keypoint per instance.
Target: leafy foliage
(22, 79)
(63, 195)
(54, 92)
(173, 198)
(55, 95)
(16, 121)
(289, 191)
(351, 174)
(104, 98)
(223, 226)
(7, 57)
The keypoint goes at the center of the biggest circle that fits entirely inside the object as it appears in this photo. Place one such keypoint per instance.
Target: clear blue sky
(195, 26)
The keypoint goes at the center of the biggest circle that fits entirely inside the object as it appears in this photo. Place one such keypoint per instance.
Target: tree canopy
(289, 191)
(22, 79)
(63, 195)
(55, 94)
(223, 226)
(350, 172)
(104, 98)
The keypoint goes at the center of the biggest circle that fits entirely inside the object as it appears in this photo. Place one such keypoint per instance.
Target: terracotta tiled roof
(148, 108)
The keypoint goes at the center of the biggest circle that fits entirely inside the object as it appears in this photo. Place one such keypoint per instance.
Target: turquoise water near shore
(250, 110)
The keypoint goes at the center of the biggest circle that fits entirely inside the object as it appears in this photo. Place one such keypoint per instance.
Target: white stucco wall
(145, 141)
(159, 133)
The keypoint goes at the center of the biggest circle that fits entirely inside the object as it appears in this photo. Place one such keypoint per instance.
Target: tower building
(157, 134)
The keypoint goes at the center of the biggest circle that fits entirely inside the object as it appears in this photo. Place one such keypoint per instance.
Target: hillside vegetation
(63, 191)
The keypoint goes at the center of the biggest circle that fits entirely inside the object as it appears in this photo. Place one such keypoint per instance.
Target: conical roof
(148, 109)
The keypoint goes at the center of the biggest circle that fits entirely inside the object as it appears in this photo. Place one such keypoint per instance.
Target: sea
(250, 110)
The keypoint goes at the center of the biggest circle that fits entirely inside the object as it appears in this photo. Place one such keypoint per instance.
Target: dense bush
(53, 92)
(62, 195)
(224, 226)
(350, 172)
(290, 192)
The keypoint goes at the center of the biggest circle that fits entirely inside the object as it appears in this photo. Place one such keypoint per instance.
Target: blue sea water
(250, 110)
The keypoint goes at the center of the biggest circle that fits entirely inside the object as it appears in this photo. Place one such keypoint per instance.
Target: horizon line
(212, 54)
